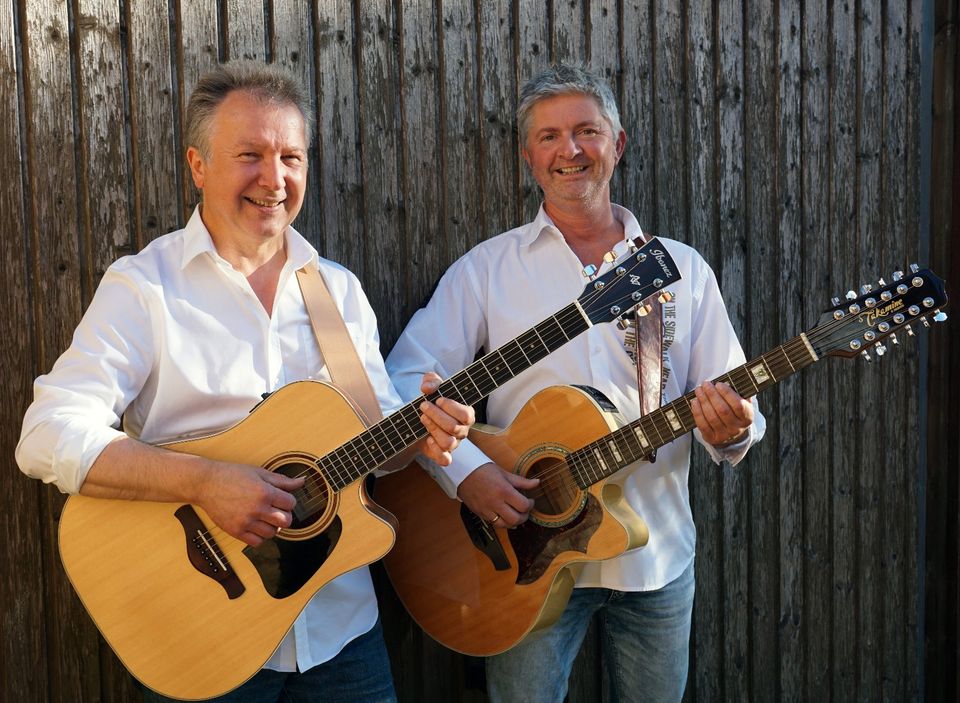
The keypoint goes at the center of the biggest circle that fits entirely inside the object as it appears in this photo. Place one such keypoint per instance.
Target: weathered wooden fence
(805, 147)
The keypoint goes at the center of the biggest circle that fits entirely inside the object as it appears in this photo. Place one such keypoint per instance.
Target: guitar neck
(635, 441)
(400, 430)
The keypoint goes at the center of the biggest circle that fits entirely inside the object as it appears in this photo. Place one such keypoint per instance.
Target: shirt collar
(197, 241)
(542, 223)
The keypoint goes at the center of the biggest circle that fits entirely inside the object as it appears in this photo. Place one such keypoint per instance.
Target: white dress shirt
(177, 343)
(511, 282)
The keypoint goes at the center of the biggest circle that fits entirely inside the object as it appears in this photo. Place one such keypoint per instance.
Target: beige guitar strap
(343, 363)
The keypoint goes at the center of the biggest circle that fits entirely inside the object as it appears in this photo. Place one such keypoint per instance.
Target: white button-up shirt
(177, 343)
(510, 283)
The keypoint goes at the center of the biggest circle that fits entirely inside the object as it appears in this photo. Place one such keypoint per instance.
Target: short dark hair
(265, 82)
(566, 79)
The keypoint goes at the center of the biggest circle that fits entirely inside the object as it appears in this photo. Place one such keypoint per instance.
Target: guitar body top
(189, 610)
(480, 590)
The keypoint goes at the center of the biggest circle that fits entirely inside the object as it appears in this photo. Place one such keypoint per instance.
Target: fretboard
(638, 439)
(395, 433)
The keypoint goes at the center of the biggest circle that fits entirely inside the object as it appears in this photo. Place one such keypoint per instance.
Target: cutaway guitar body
(480, 590)
(184, 605)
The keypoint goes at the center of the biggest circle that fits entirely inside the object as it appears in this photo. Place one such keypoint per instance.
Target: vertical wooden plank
(337, 175)
(819, 285)
(199, 29)
(730, 268)
(385, 267)
(463, 162)
(705, 482)
(896, 243)
(104, 197)
(499, 161)
(423, 143)
(843, 236)
(569, 39)
(669, 115)
(533, 55)
(57, 292)
(787, 461)
(292, 43)
(637, 116)
(870, 460)
(24, 668)
(760, 291)
(246, 30)
(157, 167)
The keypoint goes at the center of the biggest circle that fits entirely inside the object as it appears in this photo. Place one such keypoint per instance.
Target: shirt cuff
(467, 457)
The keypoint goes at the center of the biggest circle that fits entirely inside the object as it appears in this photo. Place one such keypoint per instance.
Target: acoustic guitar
(193, 612)
(480, 590)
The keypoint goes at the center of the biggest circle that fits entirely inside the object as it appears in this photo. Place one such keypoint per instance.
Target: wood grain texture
(784, 141)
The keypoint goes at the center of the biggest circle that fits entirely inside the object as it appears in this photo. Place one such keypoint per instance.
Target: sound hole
(558, 498)
(314, 498)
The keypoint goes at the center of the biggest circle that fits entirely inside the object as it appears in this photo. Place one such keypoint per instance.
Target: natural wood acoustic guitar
(480, 590)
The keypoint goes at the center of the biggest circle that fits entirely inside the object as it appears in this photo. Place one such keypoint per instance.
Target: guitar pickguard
(537, 545)
(286, 565)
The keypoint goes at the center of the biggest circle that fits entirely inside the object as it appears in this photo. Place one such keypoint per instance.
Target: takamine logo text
(871, 316)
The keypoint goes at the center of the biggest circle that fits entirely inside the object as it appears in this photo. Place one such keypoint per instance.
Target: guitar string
(555, 477)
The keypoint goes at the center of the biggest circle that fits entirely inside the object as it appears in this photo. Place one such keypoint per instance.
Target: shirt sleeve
(714, 350)
(77, 406)
(444, 337)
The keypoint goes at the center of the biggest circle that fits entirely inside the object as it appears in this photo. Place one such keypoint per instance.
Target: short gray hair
(267, 83)
(566, 79)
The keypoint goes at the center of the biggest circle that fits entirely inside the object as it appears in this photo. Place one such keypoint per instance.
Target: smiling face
(572, 151)
(253, 177)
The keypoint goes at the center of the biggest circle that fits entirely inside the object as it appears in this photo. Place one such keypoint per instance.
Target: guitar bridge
(484, 538)
(204, 553)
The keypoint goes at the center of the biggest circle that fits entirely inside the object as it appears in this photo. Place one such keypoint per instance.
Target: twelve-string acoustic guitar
(480, 590)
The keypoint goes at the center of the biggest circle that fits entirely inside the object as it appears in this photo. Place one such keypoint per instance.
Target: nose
(271, 173)
(569, 147)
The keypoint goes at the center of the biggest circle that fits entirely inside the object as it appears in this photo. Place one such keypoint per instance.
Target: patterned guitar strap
(644, 343)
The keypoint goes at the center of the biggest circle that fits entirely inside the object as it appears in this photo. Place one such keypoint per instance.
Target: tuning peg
(914, 268)
(897, 275)
(589, 271)
(866, 356)
(881, 282)
(894, 340)
(881, 350)
(622, 323)
(866, 288)
(665, 297)
(909, 330)
(851, 295)
(834, 301)
(925, 321)
(609, 257)
(632, 245)
(940, 317)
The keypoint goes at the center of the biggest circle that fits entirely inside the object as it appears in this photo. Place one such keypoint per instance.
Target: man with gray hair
(185, 338)
(572, 140)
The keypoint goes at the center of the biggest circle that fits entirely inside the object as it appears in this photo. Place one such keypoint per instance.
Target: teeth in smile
(572, 169)
(264, 203)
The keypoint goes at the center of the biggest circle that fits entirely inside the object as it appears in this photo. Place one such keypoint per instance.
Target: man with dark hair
(187, 335)
(572, 141)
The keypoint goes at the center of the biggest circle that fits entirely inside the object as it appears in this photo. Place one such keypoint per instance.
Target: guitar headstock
(634, 278)
(862, 323)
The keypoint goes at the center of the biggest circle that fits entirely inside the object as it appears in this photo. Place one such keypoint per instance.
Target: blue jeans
(645, 638)
(360, 673)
